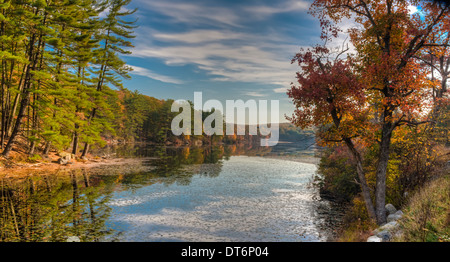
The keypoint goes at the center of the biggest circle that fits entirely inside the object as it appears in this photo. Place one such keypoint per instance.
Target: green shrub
(357, 225)
(34, 158)
(337, 175)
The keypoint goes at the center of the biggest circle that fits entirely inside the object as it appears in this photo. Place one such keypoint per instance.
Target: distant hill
(288, 133)
(291, 133)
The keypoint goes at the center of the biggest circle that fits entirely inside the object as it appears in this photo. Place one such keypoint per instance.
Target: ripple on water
(252, 199)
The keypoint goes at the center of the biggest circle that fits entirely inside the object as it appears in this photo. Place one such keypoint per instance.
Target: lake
(202, 194)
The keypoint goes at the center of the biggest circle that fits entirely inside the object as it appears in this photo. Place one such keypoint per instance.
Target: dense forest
(146, 119)
(61, 81)
(60, 62)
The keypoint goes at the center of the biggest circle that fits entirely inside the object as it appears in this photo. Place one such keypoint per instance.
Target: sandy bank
(11, 168)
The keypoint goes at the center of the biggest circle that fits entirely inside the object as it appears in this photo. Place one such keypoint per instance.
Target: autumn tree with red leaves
(364, 96)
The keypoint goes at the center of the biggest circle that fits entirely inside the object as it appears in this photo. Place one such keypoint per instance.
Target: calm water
(219, 193)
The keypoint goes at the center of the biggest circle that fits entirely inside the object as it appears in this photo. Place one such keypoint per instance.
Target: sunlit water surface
(182, 194)
(251, 199)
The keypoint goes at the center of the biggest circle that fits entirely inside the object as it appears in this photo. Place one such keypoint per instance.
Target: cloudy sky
(224, 48)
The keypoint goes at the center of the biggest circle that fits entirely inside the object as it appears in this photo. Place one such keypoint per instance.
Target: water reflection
(54, 206)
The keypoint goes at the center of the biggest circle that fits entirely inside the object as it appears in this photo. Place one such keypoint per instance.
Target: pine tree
(30, 19)
(84, 43)
(114, 36)
(59, 63)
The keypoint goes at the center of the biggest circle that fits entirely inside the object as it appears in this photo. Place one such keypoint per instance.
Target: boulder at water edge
(390, 209)
(394, 217)
(374, 239)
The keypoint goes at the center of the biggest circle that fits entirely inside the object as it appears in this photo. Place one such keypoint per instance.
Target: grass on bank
(427, 215)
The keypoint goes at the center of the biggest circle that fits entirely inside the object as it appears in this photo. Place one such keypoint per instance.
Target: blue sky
(225, 49)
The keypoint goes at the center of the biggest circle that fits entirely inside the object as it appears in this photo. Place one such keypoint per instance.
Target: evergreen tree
(58, 63)
(33, 24)
(114, 36)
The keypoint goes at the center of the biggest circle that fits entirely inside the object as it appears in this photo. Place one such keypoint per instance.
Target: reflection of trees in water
(184, 162)
(142, 150)
(53, 207)
(179, 165)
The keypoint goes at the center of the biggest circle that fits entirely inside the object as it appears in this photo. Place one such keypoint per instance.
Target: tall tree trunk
(3, 106)
(3, 86)
(362, 179)
(14, 108)
(381, 172)
(444, 64)
(32, 148)
(100, 82)
(75, 141)
(33, 54)
(5, 116)
(23, 105)
(86, 145)
(47, 148)
(85, 150)
(75, 133)
(359, 166)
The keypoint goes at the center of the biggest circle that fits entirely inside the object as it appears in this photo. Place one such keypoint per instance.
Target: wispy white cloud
(281, 90)
(227, 62)
(150, 74)
(221, 15)
(220, 40)
(198, 36)
(255, 94)
(193, 13)
(279, 7)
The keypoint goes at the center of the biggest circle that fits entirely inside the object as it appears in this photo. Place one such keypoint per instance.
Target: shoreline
(14, 166)
(18, 169)
(302, 159)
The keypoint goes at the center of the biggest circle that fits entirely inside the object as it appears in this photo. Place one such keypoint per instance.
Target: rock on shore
(388, 231)
(65, 158)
